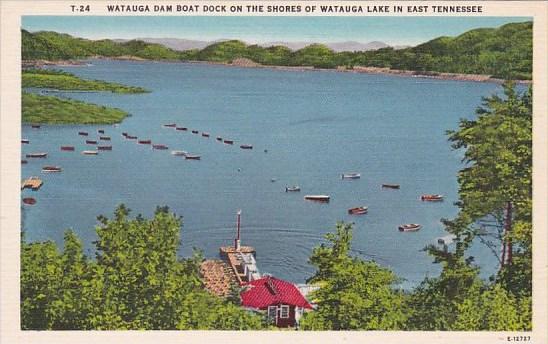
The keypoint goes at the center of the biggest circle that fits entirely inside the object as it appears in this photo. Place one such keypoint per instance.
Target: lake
(313, 125)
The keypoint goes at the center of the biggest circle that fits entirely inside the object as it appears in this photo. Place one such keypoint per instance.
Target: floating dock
(33, 183)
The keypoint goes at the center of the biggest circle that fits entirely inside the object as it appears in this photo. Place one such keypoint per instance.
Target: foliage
(353, 294)
(65, 81)
(504, 52)
(54, 110)
(136, 282)
(498, 157)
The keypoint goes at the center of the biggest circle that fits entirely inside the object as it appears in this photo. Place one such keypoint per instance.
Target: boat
(170, 125)
(124, 134)
(23, 161)
(181, 128)
(104, 138)
(90, 152)
(391, 186)
(432, 198)
(229, 142)
(36, 155)
(159, 146)
(192, 157)
(67, 148)
(357, 210)
(35, 126)
(352, 175)
(131, 137)
(109, 148)
(246, 147)
(91, 142)
(179, 153)
(101, 131)
(51, 169)
(294, 188)
(25, 141)
(144, 142)
(195, 131)
(219, 138)
(204, 134)
(29, 201)
(317, 198)
(83, 133)
(409, 227)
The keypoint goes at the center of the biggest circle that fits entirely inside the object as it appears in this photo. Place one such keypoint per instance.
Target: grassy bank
(65, 81)
(54, 110)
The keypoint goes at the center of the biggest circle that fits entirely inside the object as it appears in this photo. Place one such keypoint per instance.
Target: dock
(33, 183)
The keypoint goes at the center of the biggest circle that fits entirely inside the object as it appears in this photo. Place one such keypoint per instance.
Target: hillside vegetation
(55, 110)
(504, 52)
(65, 81)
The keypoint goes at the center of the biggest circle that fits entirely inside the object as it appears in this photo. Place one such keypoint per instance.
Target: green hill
(504, 52)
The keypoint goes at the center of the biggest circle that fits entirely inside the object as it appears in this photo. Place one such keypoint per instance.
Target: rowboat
(391, 186)
(229, 142)
(109, 148)
(294, 188)
(83, 133)
(144, 142)
(104, 138)
(195, 131)
(352, 175)
(36, 155)
(159, 146)
(67, 148)
(35, 126)
(192, 157)
(205, 134)
(91, 142)
(317, 198)
(124, 134)
(170, 125)
(246, 147)
(25, 141)
(23, 161)
(409, 227)
(131, 137)
(29, 201)
(47, 169)
(90, 152)
(101, 131)
(179, 153)
(432, 198)
(357, 211)
(219, 138)
(181, 128)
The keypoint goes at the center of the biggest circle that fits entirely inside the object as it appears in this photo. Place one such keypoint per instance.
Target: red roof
(269, 291)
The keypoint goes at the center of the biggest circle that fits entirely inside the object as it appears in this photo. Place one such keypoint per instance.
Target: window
(284, 311)
(272, 310)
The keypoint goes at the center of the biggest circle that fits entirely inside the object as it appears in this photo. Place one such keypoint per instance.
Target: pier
(33, 183)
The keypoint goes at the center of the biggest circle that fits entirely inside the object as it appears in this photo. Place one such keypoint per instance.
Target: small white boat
(294, 188)
(317, 198)
(352, 175)
(90, 152)
(409, 227)
(179, 153)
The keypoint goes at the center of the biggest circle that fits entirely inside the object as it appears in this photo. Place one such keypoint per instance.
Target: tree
(353, 294)
(495, 200)
(136, 282)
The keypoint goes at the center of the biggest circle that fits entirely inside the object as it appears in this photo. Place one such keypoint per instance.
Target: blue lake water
(315, 126)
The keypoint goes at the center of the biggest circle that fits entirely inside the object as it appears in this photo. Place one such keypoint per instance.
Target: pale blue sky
(391, 30)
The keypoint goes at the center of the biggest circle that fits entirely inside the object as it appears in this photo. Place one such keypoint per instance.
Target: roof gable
(269, 291)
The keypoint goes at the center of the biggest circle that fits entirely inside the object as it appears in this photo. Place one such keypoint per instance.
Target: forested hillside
(504, 52)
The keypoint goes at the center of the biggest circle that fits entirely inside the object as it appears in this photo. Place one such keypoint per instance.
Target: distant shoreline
(246, 63)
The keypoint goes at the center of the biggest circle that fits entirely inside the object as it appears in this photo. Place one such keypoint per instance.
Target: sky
(391, 30)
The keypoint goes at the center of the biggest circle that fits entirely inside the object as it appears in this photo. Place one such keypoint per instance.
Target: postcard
(329, 171)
